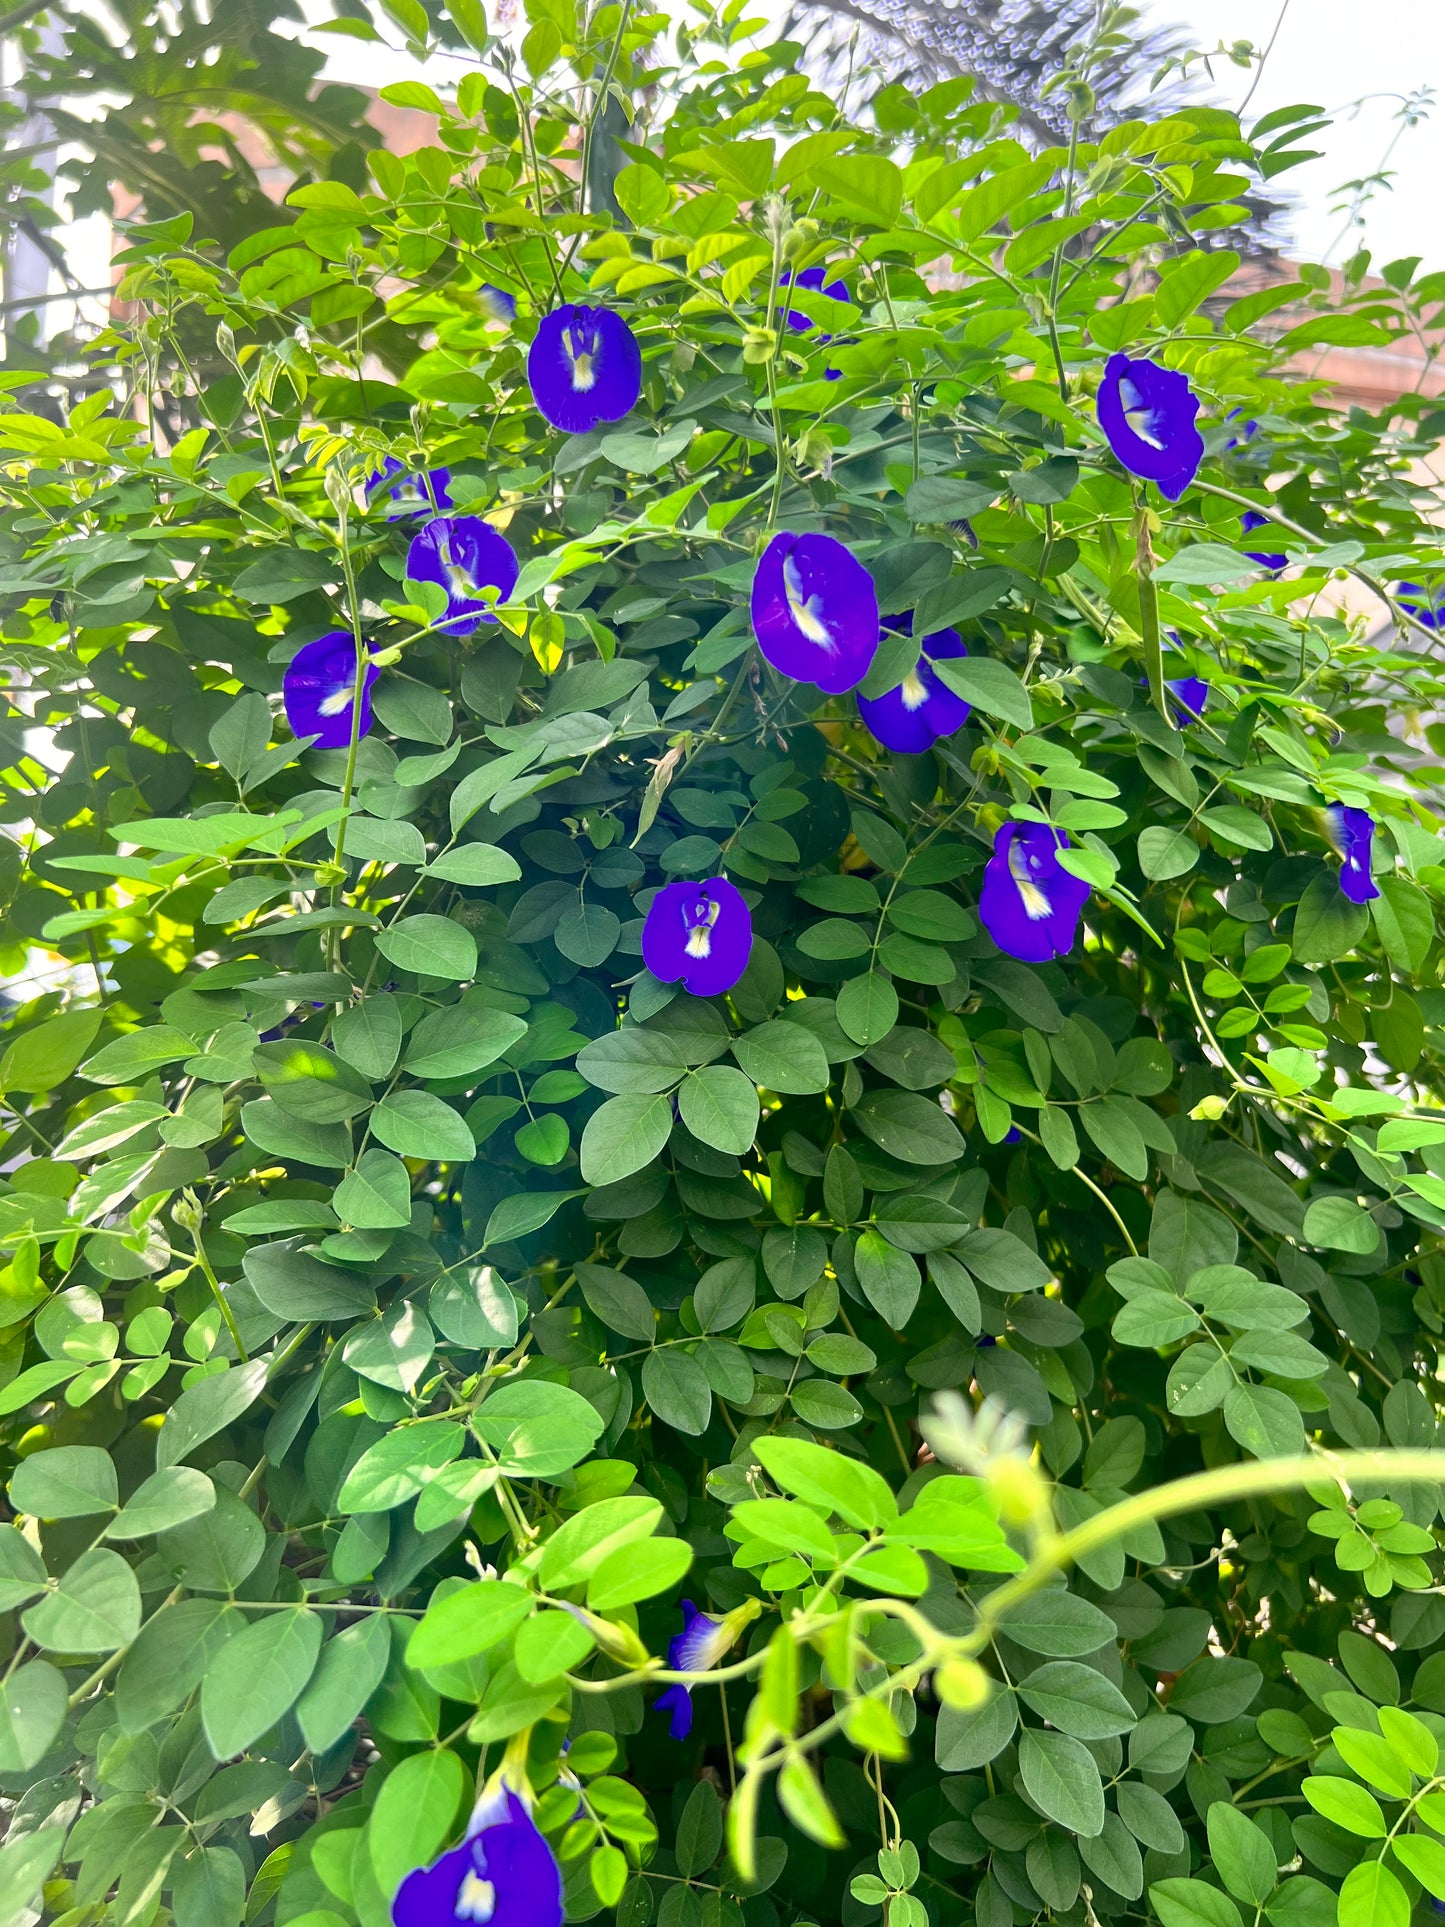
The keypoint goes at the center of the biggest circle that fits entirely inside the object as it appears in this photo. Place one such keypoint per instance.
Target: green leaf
(783, 1057)
(430, 946)
(1062, 1779)
(66, 1482)
(966, 1741)
(676, 1387)
(1165, 853)
(1404, 922)
(1193, 1903)
(990, 686)
(42, 1058)
(1424, 1858)
(638, 1572)
(376, 1195)
(624, 1135)
(890, 1278)
(1189, 281)
(619, 1301)
(167, 1498)
(206, 1408)
(1077, 1700)
(94, 1608)
(348, 1672)
(1346, 1804)
(578, 1547)
(417, 1124)
(32, 1711)
(1339, 1224)
(415, 1814)
(720, 1107)
(465, 1623)
(908, 1127)
(867, 1008)
(1265, 1422)
(292, 1282)
(1242, 1852)
(524, 1213)
(870, 184)
(1372, 1897)
(829, 1481)
(256, 1679)
(1327, 926)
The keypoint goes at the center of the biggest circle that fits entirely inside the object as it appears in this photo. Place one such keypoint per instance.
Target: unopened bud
(759, 345)
(962, 1684)
(328, 875)
(1021, 1493)
(1209, 1109)
(187, 1212)
(799, 240)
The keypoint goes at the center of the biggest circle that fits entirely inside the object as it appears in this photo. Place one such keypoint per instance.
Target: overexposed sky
(1333, 54)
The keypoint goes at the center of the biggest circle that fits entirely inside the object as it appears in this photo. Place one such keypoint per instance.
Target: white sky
(1334, 54)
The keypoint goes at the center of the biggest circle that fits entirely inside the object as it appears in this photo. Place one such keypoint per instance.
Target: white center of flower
(1035, 903)
(337, 701)
(408, 491)
(460, 583)
(804, 609)
(699, 935)
(476, 1898)
(1139, 414)
(913, 689)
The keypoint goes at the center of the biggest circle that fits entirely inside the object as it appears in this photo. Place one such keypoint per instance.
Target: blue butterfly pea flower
(503, 1873)
(1147, 413)
(465, 555)
(815, 612)
(799, 323)
(912, 717)
(319, 691)
(1352, 832)
(497, 303)
(698, 934)
(584, 367)
(1425, 604)
(697, 1649)
(413, 492)
(1030, 905)
(1266, 558)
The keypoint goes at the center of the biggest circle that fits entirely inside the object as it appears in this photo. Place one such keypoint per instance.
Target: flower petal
(912, 717)
(699, 934)
(584, 367)
(1029, 903)
(319, 687)
(1352, 831)
(1147, 414)
(815, 611)
(418, 492)
(464, 555)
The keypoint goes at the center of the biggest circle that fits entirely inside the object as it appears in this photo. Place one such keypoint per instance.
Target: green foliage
(406, 1297)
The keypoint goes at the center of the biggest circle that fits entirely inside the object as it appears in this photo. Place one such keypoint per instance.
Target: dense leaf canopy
(410, 1295)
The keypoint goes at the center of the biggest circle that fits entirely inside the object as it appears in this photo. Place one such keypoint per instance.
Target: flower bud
(962, 1684)
(1209, 1109)
(759, 345)
(1021, 1493)
(800, 239)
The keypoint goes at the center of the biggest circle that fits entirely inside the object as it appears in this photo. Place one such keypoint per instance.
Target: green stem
(1149, 607)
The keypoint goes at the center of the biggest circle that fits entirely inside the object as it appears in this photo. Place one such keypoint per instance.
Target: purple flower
(700, 933)
(1426, 605)
(319, 690)
(912, 717)
(1246, 433)
(419, 492)
(696, 1649)
(815, 611)
(799, 323)
(1190, 694)
(503, 1873)
(497, 303)
(812, 278)
(1266, 558)
(1147, 414)
(584, 367)
(1030, 905)
(1352, 832)
(465, 555)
